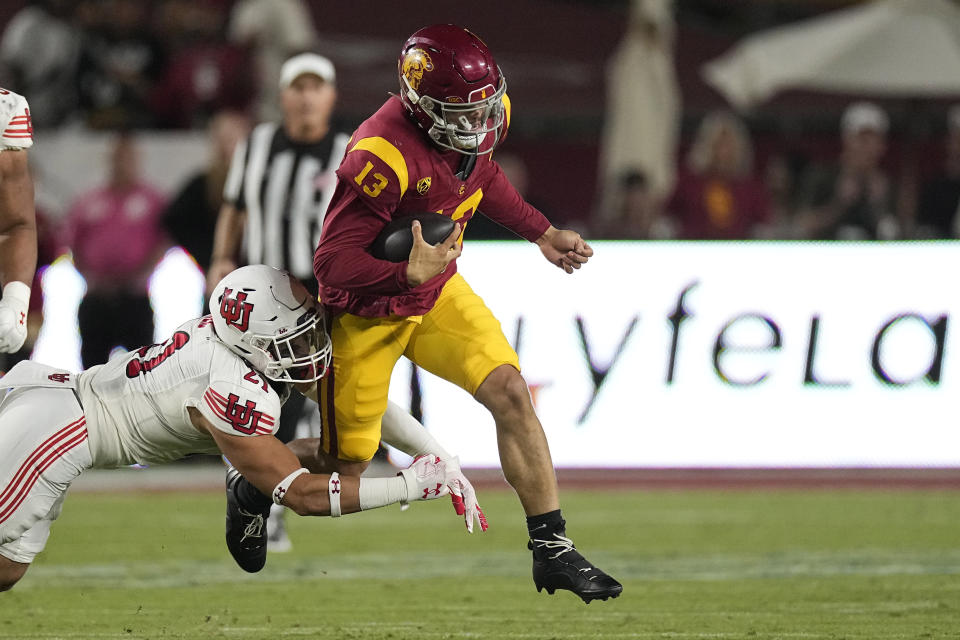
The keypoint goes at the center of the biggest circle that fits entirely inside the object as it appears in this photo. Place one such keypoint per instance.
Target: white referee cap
(304, 63)
(861, 116)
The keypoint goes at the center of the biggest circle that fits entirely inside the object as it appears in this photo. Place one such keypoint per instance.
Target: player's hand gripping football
(564, 248)
(463, 496)
(430, 260)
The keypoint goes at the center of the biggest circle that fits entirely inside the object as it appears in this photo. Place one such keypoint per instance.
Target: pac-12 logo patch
(423, 185)
(236, 311)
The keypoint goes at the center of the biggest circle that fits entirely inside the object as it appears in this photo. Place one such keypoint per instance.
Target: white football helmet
(269, 319)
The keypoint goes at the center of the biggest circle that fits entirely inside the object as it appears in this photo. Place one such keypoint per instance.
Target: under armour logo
(59, 377)
(334, 486)
(236, 311)
(428, 491)
(23, 318)
(278, 494)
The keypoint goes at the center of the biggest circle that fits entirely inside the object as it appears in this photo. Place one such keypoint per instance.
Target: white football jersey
(16, 130)
(136, 405)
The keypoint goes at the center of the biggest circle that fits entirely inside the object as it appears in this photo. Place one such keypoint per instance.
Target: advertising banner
(720, 354)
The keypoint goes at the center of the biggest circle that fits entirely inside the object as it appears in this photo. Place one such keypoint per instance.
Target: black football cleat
(558, 565)
(246, 532)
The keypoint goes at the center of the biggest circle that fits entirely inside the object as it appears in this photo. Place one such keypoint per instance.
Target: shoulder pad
(16, 129)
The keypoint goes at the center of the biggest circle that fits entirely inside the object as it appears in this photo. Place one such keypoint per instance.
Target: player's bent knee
(10, 573)
(357, 449)
(504, 390)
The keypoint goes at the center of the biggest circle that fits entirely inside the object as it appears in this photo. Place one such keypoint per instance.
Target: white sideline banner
(685, 354)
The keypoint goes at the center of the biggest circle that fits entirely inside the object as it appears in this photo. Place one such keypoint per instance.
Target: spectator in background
(717, 196)
(636, 212)
(940, 197)
(201, 77)
(40, 51)
(120, 63)
(116, 238)
(191, 217)
(643, 106)
(273, 30)
(779, 180)
(852, 200)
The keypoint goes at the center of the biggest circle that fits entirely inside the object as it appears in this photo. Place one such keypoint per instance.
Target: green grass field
(708, 564)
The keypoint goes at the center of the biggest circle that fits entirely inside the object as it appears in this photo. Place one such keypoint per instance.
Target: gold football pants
(458, 340)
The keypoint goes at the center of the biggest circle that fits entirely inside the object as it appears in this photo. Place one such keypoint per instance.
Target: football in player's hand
(396, 240)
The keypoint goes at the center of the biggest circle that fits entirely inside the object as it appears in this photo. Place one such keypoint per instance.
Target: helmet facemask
(463, 126)
(270, 320)
(300, 355)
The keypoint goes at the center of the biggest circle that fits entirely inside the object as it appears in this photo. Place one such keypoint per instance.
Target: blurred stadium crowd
(615, 133)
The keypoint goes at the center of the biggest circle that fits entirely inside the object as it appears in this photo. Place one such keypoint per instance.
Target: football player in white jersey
(18, 230)
(215, 386)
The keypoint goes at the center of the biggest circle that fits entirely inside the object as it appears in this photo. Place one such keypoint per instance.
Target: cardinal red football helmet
(452, 86)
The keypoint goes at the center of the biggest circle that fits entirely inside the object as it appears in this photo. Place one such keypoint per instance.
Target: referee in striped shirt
(280, 181)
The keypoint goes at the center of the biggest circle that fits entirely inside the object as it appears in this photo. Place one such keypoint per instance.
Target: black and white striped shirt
(284, 187)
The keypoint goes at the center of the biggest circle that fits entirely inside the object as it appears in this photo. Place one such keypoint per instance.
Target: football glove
(463, 496)
(425, 478)
(13, 316)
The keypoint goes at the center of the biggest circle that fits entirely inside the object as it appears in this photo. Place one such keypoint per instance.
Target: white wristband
(334, 489)
(379, 492)
(16, 291)
(284, 485)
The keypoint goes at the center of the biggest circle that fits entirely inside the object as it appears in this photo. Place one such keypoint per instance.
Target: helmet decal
(416, 62)
(236, 311)
(481, 94)
(268, 318)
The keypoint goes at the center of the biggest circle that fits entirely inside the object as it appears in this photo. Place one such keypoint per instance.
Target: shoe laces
(565, 545)
(254, 528)
(561, 543)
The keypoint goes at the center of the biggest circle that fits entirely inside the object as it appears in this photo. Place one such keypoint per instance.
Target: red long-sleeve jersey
(391, 169)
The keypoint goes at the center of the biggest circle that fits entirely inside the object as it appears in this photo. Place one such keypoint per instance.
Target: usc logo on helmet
(415, 63)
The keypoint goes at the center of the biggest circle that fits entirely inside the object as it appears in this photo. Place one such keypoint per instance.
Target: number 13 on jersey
(372, 189)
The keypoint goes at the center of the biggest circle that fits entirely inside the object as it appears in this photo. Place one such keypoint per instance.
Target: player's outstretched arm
(273, 469)
(404, 432)
(564, 248)
(18, 247)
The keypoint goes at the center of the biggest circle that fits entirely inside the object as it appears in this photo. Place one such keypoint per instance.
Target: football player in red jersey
(18, 229)
(431, 149)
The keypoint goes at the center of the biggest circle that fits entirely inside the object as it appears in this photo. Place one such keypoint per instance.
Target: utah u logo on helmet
(236, 311)
(415, 64)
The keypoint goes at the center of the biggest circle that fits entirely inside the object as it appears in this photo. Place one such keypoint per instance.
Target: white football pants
(43, 447)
